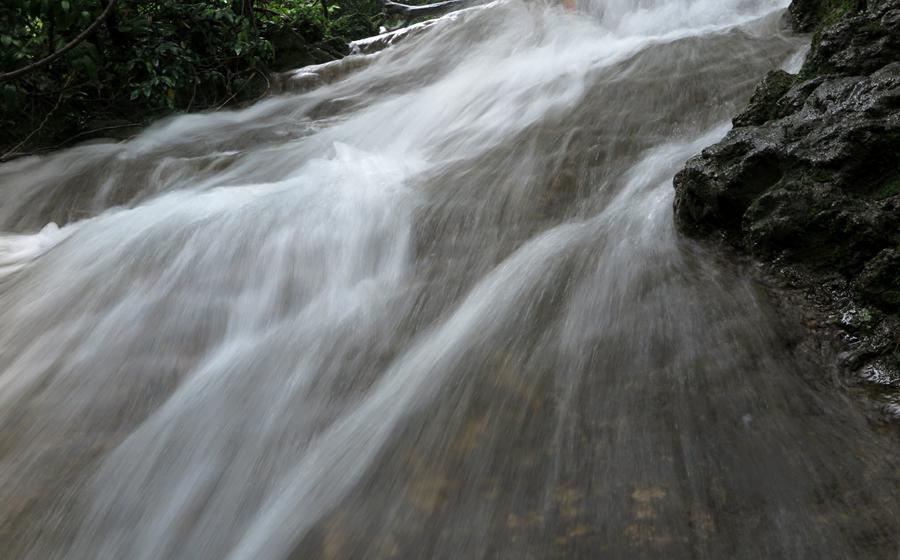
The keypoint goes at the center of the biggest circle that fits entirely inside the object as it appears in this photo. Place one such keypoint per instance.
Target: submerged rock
(810, 175)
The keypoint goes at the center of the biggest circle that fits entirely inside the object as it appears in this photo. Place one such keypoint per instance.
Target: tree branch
(411, 12)
(268, 12)
(69, 46)
(12, 152)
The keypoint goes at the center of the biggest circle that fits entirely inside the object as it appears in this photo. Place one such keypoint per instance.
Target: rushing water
(434, 308)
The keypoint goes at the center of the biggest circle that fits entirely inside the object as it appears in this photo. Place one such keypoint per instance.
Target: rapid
(426, 303)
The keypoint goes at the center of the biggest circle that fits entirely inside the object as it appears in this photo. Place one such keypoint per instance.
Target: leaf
(10, 96)
(86, 64)
(64, 5)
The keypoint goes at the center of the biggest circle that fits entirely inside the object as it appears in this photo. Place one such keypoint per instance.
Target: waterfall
(431, 307)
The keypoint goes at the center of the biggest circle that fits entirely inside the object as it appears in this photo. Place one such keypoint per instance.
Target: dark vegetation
(73, 68)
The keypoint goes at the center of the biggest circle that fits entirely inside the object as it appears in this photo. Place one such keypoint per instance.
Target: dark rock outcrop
(860, 42)
(809, 178)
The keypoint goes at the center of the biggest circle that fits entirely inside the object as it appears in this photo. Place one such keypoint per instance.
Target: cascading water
(435, 308)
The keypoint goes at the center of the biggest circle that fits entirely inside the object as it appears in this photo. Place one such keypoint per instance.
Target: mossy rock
(763, 105)
(808, 15)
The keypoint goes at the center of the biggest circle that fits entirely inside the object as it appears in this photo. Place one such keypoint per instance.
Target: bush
(151, 57)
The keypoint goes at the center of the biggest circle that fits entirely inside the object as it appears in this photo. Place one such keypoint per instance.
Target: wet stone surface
(808, 183)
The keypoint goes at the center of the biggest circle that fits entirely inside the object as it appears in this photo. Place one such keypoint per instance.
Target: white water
(435, 308)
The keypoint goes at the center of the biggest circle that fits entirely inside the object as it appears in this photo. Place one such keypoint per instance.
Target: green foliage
(175, 47)
(154, 56)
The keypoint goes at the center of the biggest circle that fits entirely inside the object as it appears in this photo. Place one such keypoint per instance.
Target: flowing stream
(431, 307)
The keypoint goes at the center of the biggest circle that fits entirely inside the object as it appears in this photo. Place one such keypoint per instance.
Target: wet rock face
(859, 43)
(811, 172)
(807, 16)
(810, 175)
